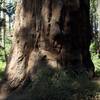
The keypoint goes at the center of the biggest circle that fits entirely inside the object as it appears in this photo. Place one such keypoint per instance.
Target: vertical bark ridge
(23, 41)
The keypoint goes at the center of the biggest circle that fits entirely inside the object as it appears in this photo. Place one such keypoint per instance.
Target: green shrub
(3, 54)
(95, 57)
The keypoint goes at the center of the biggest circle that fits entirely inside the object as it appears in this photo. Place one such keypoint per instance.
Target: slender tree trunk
(54, 33)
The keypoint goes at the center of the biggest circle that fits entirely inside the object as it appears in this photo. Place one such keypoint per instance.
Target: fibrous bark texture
(54, 33)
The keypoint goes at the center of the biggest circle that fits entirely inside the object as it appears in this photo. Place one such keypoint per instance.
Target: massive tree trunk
(49, 33)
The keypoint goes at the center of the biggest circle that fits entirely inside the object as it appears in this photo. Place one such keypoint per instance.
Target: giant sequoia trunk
(54, 33)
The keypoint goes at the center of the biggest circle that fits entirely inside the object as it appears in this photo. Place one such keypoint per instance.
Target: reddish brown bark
(54, 33)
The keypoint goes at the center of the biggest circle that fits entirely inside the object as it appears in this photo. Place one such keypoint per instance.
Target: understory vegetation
(4, 53)
(95, 58)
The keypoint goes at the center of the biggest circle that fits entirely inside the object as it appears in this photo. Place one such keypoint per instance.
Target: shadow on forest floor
(59, 85)
(50, 84)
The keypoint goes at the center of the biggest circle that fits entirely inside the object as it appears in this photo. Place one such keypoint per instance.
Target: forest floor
(58, 88)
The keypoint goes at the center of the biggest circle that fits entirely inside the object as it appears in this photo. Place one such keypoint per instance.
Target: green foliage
(95, 58)
(96, 62)
(2, 67)
(2, 55)
(93, 48)
(8, 43)
(95, 20)
(93, 5)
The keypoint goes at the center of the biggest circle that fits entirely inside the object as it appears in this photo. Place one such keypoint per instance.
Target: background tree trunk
(49, 33)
